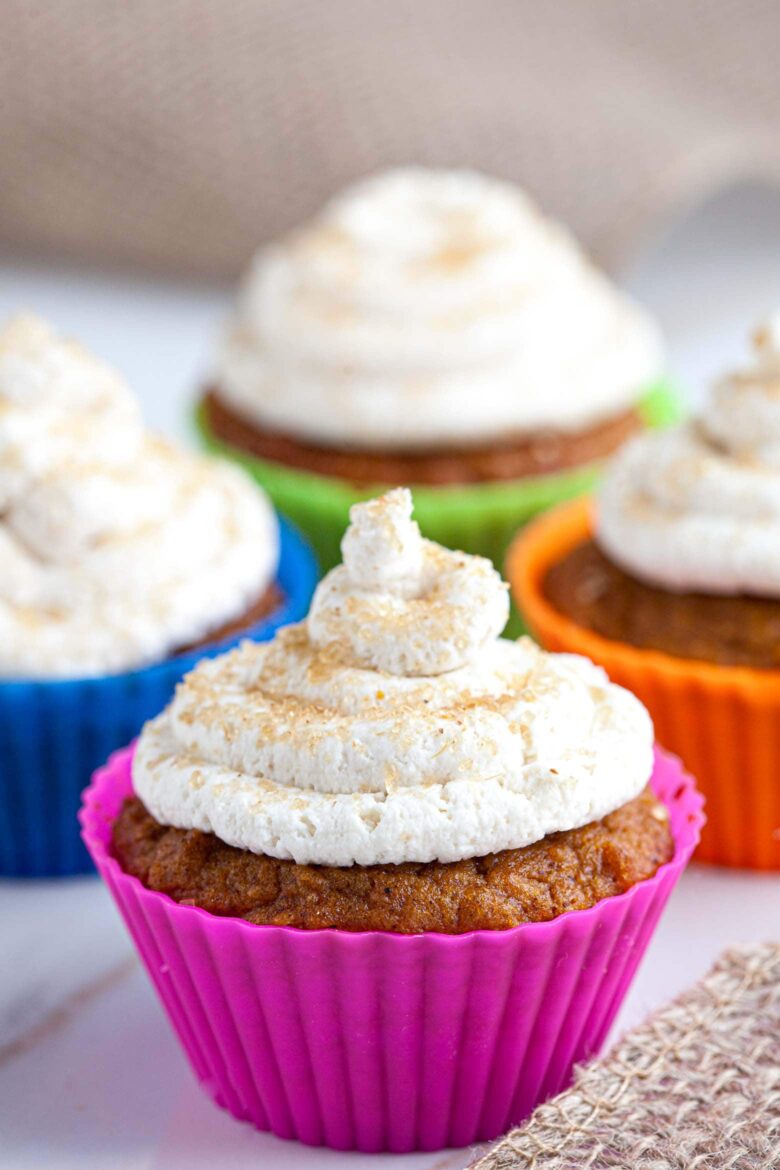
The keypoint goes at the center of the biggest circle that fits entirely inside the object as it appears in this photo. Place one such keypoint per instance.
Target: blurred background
(148, 146)
(175, 135)
(168, 138)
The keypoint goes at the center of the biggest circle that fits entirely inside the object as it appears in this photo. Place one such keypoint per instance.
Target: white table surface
(90, 1074)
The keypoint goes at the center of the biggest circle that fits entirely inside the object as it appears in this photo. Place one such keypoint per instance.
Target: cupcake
(672, 582)
(390, 873)
(430, 328)
(122, 558)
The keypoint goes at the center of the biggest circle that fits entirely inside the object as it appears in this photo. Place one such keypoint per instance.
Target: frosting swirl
(424, 308)
(329, 746)
(402, 604)
(115, 547)
(698, 507)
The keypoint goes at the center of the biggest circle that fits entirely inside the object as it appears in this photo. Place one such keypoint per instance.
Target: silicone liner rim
(90, 816)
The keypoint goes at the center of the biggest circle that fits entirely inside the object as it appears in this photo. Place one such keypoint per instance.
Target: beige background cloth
(696, 1087)
(177, 134)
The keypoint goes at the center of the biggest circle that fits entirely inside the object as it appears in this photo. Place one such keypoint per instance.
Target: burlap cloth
(179, 133)
(696, 1087)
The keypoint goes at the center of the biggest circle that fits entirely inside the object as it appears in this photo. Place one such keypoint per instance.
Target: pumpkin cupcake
(122, 558)
(671, 581)
(391, 873)
(432, 328)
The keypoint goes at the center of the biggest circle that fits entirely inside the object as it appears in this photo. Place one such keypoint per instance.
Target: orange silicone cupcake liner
(724, 722)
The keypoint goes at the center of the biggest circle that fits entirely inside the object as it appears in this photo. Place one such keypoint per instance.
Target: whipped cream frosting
(393, 725)
(425, 307)
(698, 507)
(115, 547)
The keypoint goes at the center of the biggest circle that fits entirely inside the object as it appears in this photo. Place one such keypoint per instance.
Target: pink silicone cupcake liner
(375, 1041)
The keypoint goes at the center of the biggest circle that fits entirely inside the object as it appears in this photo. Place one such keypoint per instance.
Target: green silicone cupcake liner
(478, 518)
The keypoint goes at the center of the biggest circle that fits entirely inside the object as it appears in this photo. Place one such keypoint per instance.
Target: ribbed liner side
(387, 1042)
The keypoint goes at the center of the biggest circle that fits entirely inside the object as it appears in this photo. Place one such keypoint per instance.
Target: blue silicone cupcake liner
(54, 734)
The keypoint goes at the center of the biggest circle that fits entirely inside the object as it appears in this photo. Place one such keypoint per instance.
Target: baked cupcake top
(698, 507)
(394, 724)
(424, 308)
(115, 547)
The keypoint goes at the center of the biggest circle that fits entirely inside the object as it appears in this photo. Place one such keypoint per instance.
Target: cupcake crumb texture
(564, 872)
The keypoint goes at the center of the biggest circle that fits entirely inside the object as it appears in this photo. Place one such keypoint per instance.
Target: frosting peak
(115, 547)
(383, 548)
(429, 307)
(403, 604)
(394, 725)
(698, 507)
